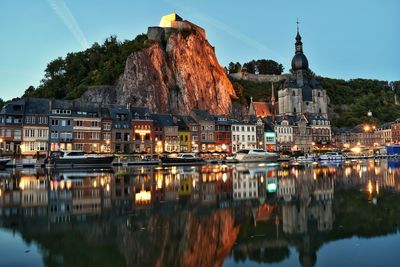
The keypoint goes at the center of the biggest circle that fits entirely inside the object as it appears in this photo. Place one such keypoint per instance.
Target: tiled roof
(262, 109)
(37, 106)
(162, 120)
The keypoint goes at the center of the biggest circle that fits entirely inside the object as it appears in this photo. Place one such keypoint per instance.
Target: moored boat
(307, 158)
(255, 155)
(182, 159)
(3, 163)
(73, 159)
(331, 156)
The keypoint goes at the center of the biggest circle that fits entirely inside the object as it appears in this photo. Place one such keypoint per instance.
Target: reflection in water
(198, 216)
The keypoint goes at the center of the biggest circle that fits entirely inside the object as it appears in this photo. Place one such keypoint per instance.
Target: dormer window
(136, 116)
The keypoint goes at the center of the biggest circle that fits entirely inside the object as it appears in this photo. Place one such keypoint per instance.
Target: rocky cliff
(175, 74)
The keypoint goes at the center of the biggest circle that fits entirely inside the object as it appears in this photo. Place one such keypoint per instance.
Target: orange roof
(261, 109)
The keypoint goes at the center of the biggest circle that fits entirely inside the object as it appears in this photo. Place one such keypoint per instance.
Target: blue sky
(342, 38)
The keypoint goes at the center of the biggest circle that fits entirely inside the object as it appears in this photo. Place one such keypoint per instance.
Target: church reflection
(193, 216)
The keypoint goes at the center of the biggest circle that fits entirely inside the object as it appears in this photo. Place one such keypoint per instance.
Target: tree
(29, 91)
(268, 66)
(101, 64)
(234, 67)
(264, 66)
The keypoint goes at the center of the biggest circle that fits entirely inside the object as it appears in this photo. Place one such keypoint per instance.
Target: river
(334, 214)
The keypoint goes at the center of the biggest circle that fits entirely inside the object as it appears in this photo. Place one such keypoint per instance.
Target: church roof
(261, 109)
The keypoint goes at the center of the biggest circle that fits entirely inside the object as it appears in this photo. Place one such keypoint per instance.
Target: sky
(341, 39)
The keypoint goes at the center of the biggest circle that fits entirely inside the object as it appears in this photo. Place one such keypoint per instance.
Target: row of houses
(367, 135)
(35, 126)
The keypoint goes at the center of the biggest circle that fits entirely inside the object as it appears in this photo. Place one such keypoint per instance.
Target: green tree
(234, 67)
(29, 91)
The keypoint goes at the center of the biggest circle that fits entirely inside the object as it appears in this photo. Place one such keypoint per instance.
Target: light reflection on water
(245, 215)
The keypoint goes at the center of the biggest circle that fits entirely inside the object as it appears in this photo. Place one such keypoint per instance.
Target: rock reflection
(198, 216)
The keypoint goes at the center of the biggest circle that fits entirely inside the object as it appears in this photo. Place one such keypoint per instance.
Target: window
(17, 134)
(29, 119)
(95, 136)
(42, 146)
(42, 133)
(31, 146)
(54, 134)
(42, 120)
(293, 93)
(78, 146)
(269, 139)
(94, 124)
(29, 133)
(79, 123)
(107, 126)
(78, 135)
(54, 122)
(8, 132)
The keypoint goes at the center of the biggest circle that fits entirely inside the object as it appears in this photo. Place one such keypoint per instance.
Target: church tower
(301, 93)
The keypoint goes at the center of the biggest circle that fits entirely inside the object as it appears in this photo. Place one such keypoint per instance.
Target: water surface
(218, 215)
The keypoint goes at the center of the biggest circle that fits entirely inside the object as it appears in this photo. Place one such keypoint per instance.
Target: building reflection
(263, 206)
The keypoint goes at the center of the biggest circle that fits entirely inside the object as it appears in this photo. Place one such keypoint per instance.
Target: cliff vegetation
(101, 64)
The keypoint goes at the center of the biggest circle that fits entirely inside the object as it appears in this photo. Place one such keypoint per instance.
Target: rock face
(186, 238)
(175, 74)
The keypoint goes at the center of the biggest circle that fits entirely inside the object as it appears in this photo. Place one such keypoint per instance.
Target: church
(301, 93)
(300, 116)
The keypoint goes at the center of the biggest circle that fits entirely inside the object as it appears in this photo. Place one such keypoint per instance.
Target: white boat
(254, 155)
(331, 156)
(307, 158)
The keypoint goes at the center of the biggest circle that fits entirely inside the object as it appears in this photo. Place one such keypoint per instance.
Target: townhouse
(35, 128)
(121, 130)
(60, 124)
(87, 127)
(184, 131)
(142, 130)
(207, 130)
(223, 136)
(166, 130)
(243, 135)
(11, 119)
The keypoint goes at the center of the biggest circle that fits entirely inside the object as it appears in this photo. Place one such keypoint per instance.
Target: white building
(243, 136)
(245, 185)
